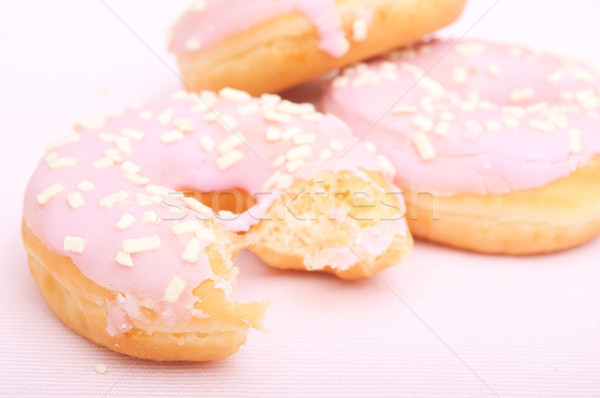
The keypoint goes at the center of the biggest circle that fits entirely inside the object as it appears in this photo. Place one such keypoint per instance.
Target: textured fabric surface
(444, 324)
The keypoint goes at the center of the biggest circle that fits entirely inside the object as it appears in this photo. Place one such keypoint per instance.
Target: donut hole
(234, 200)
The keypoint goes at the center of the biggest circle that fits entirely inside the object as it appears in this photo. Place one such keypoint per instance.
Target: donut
(267, 46)
(496, 146)
(132, 224)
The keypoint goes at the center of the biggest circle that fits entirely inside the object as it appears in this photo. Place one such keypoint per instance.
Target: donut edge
(73, 299)
(521, 226)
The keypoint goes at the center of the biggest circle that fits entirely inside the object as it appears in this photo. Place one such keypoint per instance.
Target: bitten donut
(270, 45)
(496, 146)
(132, 223)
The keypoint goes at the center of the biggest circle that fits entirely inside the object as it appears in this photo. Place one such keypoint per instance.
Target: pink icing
(494, 144)
(215, 20)
(181, 164)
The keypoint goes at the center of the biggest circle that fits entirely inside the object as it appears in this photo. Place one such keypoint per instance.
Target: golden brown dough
(284, 51)
(519, 225)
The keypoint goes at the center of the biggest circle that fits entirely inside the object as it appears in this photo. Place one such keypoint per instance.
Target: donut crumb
(100, 368)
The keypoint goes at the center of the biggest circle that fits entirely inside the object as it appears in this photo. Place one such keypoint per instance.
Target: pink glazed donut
(265, 46)
(127, 260)
(496, 146)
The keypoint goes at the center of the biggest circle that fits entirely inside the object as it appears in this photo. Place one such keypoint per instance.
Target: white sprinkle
(174, 289)
(74, 244)
(249, 109)
(492, 125)
(313, 117)
(160, 190)
(386, 165)
(111, 200)
(371, 147)
(460, 75)
(103, 163)
(135, 135)
(494, 70)
(123, 144)
(422, 123)
(277, 117)
(299, 152)
(165, 117)
(114, 155)
(149, 217)
(143, 200)
(270, 100)
(230, 159)
(441, 128)
(75, 200)
(186, 227)
(271, 181)
(62, 163)
(207, 143)
(85, 186)
(582, 75)
(343, 46)
(336, 145)
(290, 132)
(293, 108)
(469, 49)
(198, 5)
(285, 181)
(184, 125)
(511, 123)
(192, 251)
(145, 115)
(427, 105)
(51, 156)
(341, 82)
(233, 94)
(306, 138)
(139, 245)
(192, 44)
(360, 30)
(107, 137)
(556, 76)
(574, 141)
(171, 136)
(124, 259)
(49, 193)
(206, 235)
(65, 141)
(566, 95)
(424, 146)
(130, 167)
(294, 165)
(325, 154)
(198, 207)
(541, 125)
(446, 116)
(100, 368)
(559, 120)
(515, 52)
(522, 94)
(136, 179)
(404, 110)
(278, 161)
(230, 143)
(273, 134)
(125, 221)
(227, 122)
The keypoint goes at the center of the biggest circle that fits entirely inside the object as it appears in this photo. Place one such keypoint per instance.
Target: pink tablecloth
(446, 323)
